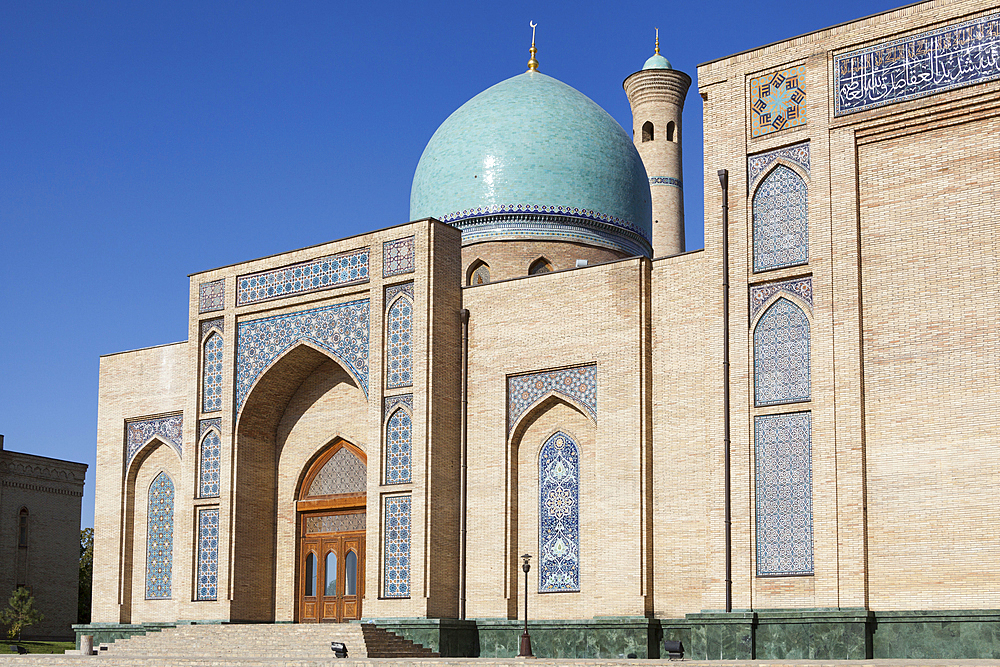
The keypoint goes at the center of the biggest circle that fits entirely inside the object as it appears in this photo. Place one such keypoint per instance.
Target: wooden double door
(332, 566)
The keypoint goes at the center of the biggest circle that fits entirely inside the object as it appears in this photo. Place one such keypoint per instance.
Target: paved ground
(110, 661)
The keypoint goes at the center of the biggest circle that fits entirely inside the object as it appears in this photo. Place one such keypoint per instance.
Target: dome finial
(533, 64)
(657, 49)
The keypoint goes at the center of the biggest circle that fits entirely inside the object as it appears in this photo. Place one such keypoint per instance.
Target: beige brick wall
(512, 259)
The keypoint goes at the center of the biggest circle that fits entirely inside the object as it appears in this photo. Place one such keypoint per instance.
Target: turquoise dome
(534, 158)
(656, 61)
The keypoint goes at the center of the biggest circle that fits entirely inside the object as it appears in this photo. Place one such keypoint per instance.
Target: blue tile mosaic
(780, 221)
(666, 180)
(389, 403)
(212, 296)
(578, 384)
(209, 461)
(549, 227)
(343, 473)
(211, 379)
(341, 330)
(559, 515)
(317, 274)
(783, 478)
(399, 343)
(393, 290)
(169, 429)
(396, 547)
(208, 554)
(159, 538)
(781, 355)
(398, 257)
(757, 165)
(777, 101)
(919, 65)
(799, 287)
(214, 324)
(398, 447)
(205, 424)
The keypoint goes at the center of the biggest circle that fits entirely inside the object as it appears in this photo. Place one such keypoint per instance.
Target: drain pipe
(726, 438)
(463, 494)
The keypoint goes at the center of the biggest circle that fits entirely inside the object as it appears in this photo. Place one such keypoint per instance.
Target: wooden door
(332, 569)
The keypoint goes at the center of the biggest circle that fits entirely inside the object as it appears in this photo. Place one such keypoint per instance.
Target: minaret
(656, 94)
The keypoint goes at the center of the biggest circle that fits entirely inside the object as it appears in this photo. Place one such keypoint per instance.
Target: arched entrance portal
(331, 522)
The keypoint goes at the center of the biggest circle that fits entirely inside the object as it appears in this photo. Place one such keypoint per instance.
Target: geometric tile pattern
(396, 547)
(341, 330)
(758, 164)
(217, 323)
(799, 287)
(781, 355)
(777, 101)
(559, 515)
(398, 437)
(393, 290)
(579, 384)
(390, 402)
(211, 380)
(780, 221)
(665, 180)
(397, 257)
(208, 554)
(205, 424)
(335, 523)
(399, 336)
(783, 475)
(159, 538)
(931, 62)
(208, 473)
(343, 473)
(212, 296)
(169, 429)
(316, 274)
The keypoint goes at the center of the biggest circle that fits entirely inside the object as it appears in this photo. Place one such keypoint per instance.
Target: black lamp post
(526, 638)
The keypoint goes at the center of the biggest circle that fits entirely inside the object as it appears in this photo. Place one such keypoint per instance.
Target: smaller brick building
(40, 537)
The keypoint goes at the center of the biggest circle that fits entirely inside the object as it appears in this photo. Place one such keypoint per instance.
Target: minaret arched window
(559, 515)
(159, 538)
(781, 355)
(670, 131)
(647, 131)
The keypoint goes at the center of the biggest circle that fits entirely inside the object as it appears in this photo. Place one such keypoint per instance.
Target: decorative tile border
(160, 538)
(317, 274)
(783, 480)
(904, 69)
(170, 429)
(216, 323)
(666, 180)
(758, 164)
(208, 554)
(396, 546)
(559, 515)
(517, 226)
(579, 384)
(212, 296)
(569, 211)
(777, 101)
(205, 424)
(342, 330)
(393, 290)
(799, 287)
(781, 355)
(390, 402)
(398, 257)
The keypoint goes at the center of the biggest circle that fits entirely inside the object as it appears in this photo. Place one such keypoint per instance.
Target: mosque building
(781, 446)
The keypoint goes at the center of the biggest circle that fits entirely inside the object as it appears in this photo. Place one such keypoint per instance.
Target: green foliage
(20, 613)
(86, 575)
(40, 647)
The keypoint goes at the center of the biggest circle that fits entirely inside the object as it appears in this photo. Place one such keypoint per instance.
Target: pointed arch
(478, 273)
(144, 452)
(159, 537)
(339, 469)
(540, 265)
(780, 207)
(543, 404)
(211, 378)
(559, 515)
(209, 460)
(398, 447)
(781, 343)
(399, 342)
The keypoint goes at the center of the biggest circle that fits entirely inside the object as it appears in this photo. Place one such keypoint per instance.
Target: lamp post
(526, 638)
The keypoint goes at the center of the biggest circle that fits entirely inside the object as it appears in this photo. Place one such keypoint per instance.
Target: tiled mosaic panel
(216, 323)
(208, 554)
(341, 330)
(398, 447)
(398, 257)
(579, 384)
(343, 473)
(780, 221)
(210, 458)
(559, 515)
(759, 294)
(159, 538)
(393, 290)
(396, 547)
(777, 101)
(212, 296)
(205, 424)
(783, 471)
(391, 402)
(138, 433)
(931, 62)
(758, 164)
(781, 355)
(337, 523)
(399, 344)
(317, 274)
(211, 381)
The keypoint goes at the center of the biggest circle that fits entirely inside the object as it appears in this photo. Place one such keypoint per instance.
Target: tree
(20, 613)
(86, 575)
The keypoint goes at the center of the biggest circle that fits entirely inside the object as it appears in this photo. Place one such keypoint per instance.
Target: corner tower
(656, 94)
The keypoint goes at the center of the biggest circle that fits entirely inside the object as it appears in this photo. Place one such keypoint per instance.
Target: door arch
(331, 521)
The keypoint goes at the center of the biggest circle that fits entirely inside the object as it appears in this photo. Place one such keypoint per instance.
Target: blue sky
(145, 141)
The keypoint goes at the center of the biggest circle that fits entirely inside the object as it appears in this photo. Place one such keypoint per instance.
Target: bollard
(87, 644)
